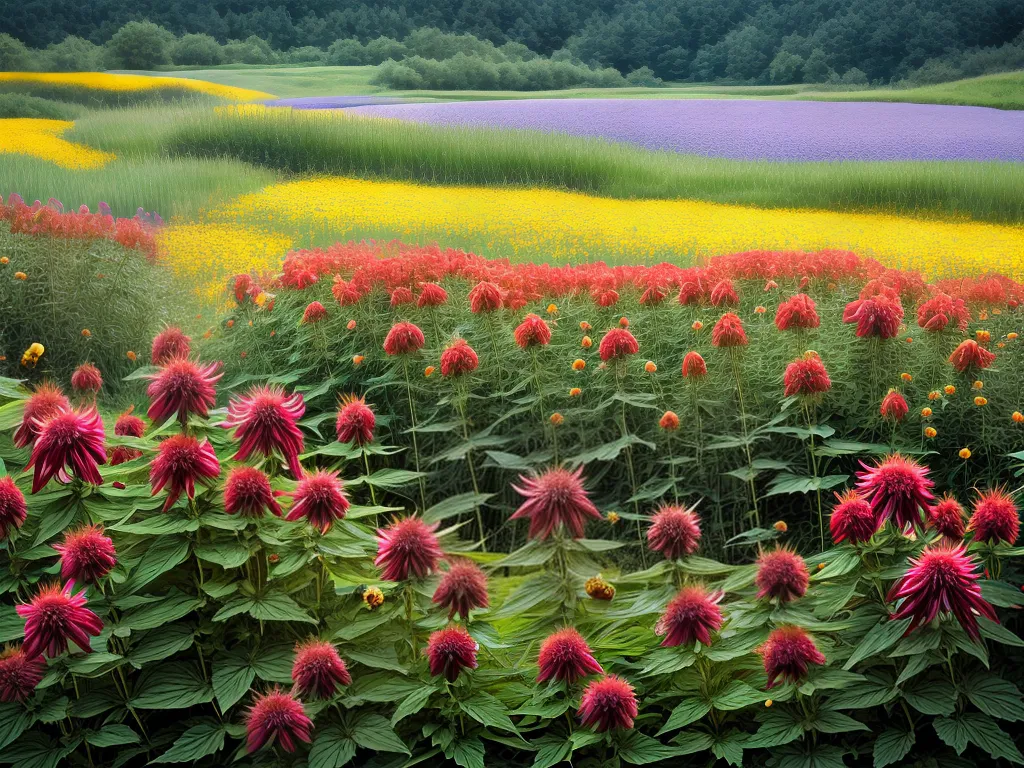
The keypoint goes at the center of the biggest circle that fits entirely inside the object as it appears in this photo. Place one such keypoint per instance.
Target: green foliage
(72, 54)
(462, 72)
(197, 50)
(139, 45)
(23, 105)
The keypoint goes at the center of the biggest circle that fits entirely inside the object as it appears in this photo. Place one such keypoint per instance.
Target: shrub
(464, 72)
(23, 105)
(644, 77)
(199, 50)
(139, 45)
(308, 54)
(14, 55)
(252, 50)
(72, 54)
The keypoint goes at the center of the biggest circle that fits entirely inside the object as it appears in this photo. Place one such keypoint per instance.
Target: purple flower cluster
(333, 102)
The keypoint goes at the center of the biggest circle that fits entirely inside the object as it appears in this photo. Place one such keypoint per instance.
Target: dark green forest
(734, 40)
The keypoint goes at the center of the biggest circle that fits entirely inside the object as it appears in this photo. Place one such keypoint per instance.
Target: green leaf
(881, 637)
(331, 748)
(487, 710)
(163, 554)
(638, 749)
(157, 645)
(998, 633)
(985, 733)
(195, 743)
(737, 695)
(412, 704)
(53, 711)
(788, 483)
(274, 663)
(160, 524)
(551, 750)
(994, 696)
(892, 746)
(686, 712)
(468, 753)
(373, 731)
(388, 479)
(777, 728)
(870, 693)
(226, 554)
(278, 606)
(232, 677)
(836, 722)
(382, 657)
(12, 626)
(952, 731)
(161, 613)
(113, 735)
(693, 741)
(530, 554)
(931, 695)
(609, 451)
(171, 685)
(34, 750)
(455, 505)
(1002, 594)
(14, 720)
(729, 748)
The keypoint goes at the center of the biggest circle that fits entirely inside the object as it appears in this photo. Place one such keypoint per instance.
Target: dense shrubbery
(461, 72)
(23, 105)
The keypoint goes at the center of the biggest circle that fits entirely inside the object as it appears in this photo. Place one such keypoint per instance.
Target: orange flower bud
(587, 342)
(579, 364)
(650, 367)
(575, 392)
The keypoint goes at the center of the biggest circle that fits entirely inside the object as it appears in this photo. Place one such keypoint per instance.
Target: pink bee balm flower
(898, 489)
(449, 651)
(485, 297)
(431, 295)
(941, 579)
(806, 377)
(19, 675)
(674, 531)
(797, 312)
(852, 519)
(401, 296)
(278, 715)
(129, 425)
(458, 358)
(618, 344)
(947, 517)
(45, 402)
(894, 406)
(787, 653)
(314, 313)
(407, 548)
(247, 492)
(13, 508)
(71, 438)
(318, 670)
(728, 332)
(355, 421)
(266, 420)
(724, 293)
(941, 309)
(54, 617)
(122, 454)
(182, 387)
(692, 615)
(180, 461)
(781, 575)
(970, 355)
(461, 589)
(995, 518)
(320, 499)
(403, 338)
(87, 379)
(555, 498)
(694, 366)
(566, 657)
(608, 704)
(879, 315)
(86, 555)
(170, 344)
(532, 332)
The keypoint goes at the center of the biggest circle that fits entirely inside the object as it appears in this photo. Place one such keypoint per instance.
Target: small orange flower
(669, 421)
(208, 334)
(760, 310)
(997, 311)
(821, 566)
(930, 432)
(906, 377)
(4, 260)
(132, 356)
(273, 334)
(575, 392)
(86, 333)
(1017, 417)
(650, 367)
(910, 339)
(250, 323)
(780, 526)
(612, 517)
(556, 418)
(949, 389)
(965, 453)
(1001, 344)
(273, 558)
(599, 589)
(926, 413)
(373, 598)
(768, 702)
(980, 401)
(697, 325)
(552, 309)
(1012, 335)
(20, 276)
(584, 326)
(587, 342)
(979, 384)
(351, 325)
(579, 364)
(624, 322)
(983, 336)
(983, 315)
(428, 371)
(243, 354)
(231, 323)
(934, 395)
(357, 359)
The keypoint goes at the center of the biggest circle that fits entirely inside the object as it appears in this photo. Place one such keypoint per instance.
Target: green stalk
(415, 442)
(461, 404)
(734, 357)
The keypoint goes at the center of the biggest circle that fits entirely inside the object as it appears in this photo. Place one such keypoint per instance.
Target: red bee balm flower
(879, 315)
(617, 344)
(970, 355)
(13, 509)
(941, 578)
(247, 492)
(407, 548)
(694, 366)
(459, 358)
(947, 517)
(182, 387)
(669, 421)
(782, 575)
(728, 332)
(179, 462)
(267, 420)
(170, 344)
(995, 518)
(314, 312)
(894, 406)
(449, 651)
(692, 615)
(86, 555)
(787, 653)
(318, 669)
(485, 297)
(46, 401)
(566, 657)
(355, 421)
(608, 704)
(533, 331)
(797, 312)
(937, 312)
(674, 531)
(555, 498)
(320, 499)
(129, 425)
(19, 675)
(852, 519)
(431, 295)
(462, 588)
(86, 379)
(401, 295)
(403, 338)
(724, 293)
(55, 616)
(652, 296)
(278, 715)
(806, 377)
(898, 489)
(74, 439)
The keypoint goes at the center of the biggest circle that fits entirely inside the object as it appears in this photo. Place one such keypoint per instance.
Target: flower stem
(415, 442)
(734, 357)
(461, 402)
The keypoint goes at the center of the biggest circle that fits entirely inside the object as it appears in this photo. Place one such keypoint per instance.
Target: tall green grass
(1002, 91)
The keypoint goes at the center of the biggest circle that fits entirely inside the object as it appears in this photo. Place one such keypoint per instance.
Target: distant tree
(816, 69)
(197, 50)
(307, 54)
(674, 64)
(347, 52)
(382, 48)
(72, 54)
(854, 76)
(139, 45)
(644, 77)
(14, 54)
(786, 68)
(252, 50)
(709, 63)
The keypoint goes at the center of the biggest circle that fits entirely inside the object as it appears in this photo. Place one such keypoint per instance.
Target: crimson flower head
(652, 296)
(852, 519)
(995, 517)
(265, 421)
(781, 575)
(787, 653)
(86, 555)
(403, 339)
(566, 657)
(894, 406)
(55, 616)
(617, 344)
(607, 297)
(461, 589)
(46, 401)
(13, 508)
(555, 498)
(71, 438)
(806, 377)
(314, 313)
(320, 499)
(318, 669)
(19, 675)
(797, 312)
(694, 366)
(674, 531)
(122, 454)
(608, 704)
(669, 421)
(941, 309)
(129, 425)
(431, 295)
(87, 379)
(970, 355)
(170, 344)
(182, 387)
(400, 296)
(724, 293)
(247, 492)
(458, 359)
(728, 332)
(449, 651)
(277, 714)
(407, 548)
(355, 421)
(180, 461)
(692, 615)
(879, 315)
(485, 297)
(898, 489)
(533, 331)
(942, 578)
(947, 518)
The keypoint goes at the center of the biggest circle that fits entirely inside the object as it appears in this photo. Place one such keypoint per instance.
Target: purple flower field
(751, 130)
(333, 102)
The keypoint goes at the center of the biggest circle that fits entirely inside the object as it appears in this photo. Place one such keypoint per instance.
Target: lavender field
(748, 129)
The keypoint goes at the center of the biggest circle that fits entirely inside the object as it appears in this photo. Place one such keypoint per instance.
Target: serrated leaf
(455, 505)
(331, 748)
(881, 637)
(487, 710)
(14, 720)
(737, 695)
(892, 746)
(232, 676)
(985, 733)
(412, 704)
(931, 695)
(165, 553)
(278, 606)
(226, 554)
(197, 742)
(638, 749)
(113, 735)
(836, 722)
(171, 685)
(160, 613)
(468, 753)
(158, 644)
(998, 633)
(686, 712)
(551, 750)
(994, 696)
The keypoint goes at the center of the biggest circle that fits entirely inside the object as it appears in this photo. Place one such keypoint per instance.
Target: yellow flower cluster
(109, 82)
(42, 139)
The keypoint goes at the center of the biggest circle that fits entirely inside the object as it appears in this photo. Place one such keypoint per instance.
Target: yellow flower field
(42, 138)
(111, 82)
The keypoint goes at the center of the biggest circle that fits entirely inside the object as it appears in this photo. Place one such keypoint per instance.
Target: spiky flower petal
(73, 439)
(449, 651)
(19, 674)
(898, 489)
(180, 462)
(674, 531)
(266, 420)
(787, 653)
(407, 548)
(53, 617)
(277, 715)
(608, 704)
(566, 657)
(355, 421)
(86, 555)
(852, 519)
(995, 517)
(556, 497)
(781, 575)
(13, 509)
(691, 616)
(247, 492)
(320, 499)
(462, 588)
(46, 401)
(183, 388)
(318, 670)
